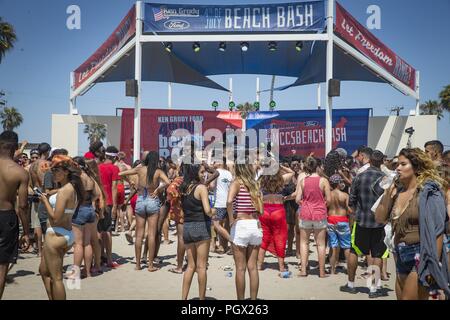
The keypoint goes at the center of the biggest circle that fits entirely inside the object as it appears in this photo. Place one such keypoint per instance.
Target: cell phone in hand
(37, 191)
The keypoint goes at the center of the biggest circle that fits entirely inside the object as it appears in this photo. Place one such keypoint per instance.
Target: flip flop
(174, 270)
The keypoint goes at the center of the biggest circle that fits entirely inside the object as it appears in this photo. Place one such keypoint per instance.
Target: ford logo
(176, 25)
(311, 123)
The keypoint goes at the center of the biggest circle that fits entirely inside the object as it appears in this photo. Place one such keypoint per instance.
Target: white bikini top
(52, 201)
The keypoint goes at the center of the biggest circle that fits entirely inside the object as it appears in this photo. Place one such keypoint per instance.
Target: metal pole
(319, 96)
(170, 95)
(329, 100)
(138, 78)
(418, 93)
(258, 93)
(231, 89)
(72, 102)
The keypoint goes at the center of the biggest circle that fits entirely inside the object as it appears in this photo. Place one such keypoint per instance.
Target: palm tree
(245, 108)
(11, 118)
(432, 107)
(7, 37)
(95, 132)
(445, 98)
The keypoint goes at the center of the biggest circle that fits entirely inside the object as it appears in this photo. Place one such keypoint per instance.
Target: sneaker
(347, 289)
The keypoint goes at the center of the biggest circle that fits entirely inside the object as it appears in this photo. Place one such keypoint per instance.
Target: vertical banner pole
(72, 101)
(319, 96)
(329, 100)
(138, 78)
(230, 85)
(170, 95)
(257, 89)
(418, 93)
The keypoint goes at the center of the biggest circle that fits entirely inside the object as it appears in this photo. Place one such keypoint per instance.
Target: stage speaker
(334, 88)
(131, 88)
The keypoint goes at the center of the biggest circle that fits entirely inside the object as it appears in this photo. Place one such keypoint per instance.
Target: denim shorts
(221, 214)
(86, 214)
(314, 225)
(196, 231)
(339, 235)
(408, 257)
(147, 206)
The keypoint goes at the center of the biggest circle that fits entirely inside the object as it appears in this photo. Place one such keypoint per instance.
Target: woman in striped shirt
(244, 206)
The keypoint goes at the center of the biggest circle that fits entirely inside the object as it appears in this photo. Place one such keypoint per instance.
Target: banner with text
(303, 132)
(124, 32)
(365, 42)
(283, 17)
(158, 126)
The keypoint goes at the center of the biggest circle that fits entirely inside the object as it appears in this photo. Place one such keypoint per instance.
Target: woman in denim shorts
(315, 193)
(197, 227)
(151, 182)
(401, 204)
(83, 222)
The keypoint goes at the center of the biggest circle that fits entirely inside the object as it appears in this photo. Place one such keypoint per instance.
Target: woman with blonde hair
(61, 207)
(273, 221)
(415, 206)
(244, 207)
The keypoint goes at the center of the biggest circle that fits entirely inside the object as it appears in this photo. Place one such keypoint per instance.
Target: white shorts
(35, 223)
(246, 233)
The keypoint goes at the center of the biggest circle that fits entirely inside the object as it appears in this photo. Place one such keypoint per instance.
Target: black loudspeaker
(334, 88)
(131, 88)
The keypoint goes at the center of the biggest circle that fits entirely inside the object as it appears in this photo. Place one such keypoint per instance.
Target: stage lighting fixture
(299, 46)
(196, 47)
(272, 46)
(222, 46)
(244, 46)
(169, 46)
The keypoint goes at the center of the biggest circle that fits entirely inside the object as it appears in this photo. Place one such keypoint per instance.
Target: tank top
(193, 208)
(243, 202)
(314, 207)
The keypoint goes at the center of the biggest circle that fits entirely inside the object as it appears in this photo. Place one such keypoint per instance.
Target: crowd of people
(359, 206)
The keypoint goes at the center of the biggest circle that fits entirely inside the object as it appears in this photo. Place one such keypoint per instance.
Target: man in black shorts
(367, 236)
(13, 184)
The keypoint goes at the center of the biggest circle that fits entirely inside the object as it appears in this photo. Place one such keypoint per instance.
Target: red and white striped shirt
(243, 202)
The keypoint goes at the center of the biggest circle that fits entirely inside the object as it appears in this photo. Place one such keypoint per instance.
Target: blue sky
(35, 75)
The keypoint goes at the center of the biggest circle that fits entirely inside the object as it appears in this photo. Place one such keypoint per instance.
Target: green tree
(432, 107)
(95, 132)
(245, 109)
(7, 37)
(11, 118)
(445, 98)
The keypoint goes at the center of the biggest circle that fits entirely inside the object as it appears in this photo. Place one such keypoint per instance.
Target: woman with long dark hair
(197, 227)
(151, 182)
(415, 205)
(84, 227)
(244, 206)
(59, 238)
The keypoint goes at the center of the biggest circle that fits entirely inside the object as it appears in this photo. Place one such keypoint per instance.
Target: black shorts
(196, 231)
(105, 224)
(9, 237)
(368, 241)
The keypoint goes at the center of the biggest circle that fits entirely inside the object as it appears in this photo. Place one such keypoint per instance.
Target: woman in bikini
(59, 237)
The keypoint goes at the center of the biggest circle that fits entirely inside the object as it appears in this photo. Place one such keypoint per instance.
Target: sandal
(174, 270)
(129, 238)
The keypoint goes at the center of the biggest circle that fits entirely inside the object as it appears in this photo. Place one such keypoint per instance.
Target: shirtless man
(339, 234)
(13, 185)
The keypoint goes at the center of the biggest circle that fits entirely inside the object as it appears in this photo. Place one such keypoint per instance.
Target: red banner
(157, 127)
(365, 42)
(124, 32)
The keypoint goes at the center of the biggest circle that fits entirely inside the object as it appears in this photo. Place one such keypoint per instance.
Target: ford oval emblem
(311, 123)
(176, 25)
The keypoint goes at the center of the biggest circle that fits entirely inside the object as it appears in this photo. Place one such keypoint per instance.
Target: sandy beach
(124, 283)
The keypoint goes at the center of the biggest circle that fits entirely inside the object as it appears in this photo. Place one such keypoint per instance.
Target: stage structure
(183, 43)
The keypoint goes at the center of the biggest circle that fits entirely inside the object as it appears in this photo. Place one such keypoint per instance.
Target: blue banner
(300, 16)
(303, 132)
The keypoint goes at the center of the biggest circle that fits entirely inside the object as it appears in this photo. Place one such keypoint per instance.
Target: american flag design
(158, 14)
